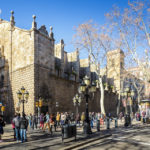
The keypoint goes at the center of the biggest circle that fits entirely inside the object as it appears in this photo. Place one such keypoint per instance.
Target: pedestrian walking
(13, 127)
(143, 116)
(30, 120)
(52, 123)
(72, 117)
(58, 119)
(83, 118)
(34, 122)
(23, 124)
(2, 124)
(63, 119)
(47, 123)
(16, 122)
(41, 121)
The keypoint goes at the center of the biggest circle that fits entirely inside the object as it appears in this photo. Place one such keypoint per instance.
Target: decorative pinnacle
(62, 41)
(12, 12)
(51, 35)
(34, 24)
(51, 29)
(12, 18)
(34, 17)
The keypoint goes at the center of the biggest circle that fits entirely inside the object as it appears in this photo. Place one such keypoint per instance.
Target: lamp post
(23, 96)
(76, 102)
(86, 88)
(39, 104)
(128, 94)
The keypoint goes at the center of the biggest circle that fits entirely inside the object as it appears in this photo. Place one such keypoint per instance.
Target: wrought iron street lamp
(86, 89)
(128, 94)
(39, 104)
(77, 102)
(23, 96)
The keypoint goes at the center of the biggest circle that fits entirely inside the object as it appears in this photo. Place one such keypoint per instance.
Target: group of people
(21, 123)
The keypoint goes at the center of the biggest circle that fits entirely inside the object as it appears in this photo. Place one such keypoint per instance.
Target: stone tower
(115, 67)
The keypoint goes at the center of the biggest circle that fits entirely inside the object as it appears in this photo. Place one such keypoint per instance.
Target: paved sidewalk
(38, 139)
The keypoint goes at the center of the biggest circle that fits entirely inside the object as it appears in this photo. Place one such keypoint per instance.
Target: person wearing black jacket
(23, 128)
(2, 124)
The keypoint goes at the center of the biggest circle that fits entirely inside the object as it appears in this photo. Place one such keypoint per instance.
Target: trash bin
(116, 122)
(127, 120)
(65, 131)
(68, 131)
(98, 125)
(107, 123)
(73, 131)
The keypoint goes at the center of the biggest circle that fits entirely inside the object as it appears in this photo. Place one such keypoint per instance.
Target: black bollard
(108, 123)
(98, 125)
(116, 122)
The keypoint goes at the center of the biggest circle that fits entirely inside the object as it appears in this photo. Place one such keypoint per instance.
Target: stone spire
(62, 41)
(77, 50)
(34, 24)
(51, 34)
(12, 18)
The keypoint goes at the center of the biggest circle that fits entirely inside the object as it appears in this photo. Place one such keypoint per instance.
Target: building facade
(30, 58)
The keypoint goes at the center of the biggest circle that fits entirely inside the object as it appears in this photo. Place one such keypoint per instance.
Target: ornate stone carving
(43, 30)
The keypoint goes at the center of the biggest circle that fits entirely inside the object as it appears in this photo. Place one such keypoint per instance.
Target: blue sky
(63, 15)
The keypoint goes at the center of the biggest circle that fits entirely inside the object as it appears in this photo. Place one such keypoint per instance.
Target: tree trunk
(102, 96)
(138, 102)
(118, 105)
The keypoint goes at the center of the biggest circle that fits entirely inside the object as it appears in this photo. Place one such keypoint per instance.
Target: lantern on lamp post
(23, 96)
(128, 94)
(77, 102)
(86, 88)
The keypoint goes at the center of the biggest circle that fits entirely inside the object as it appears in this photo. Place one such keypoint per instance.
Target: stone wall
(18, 49)
(115, 66)
(44, 51)
(54, 89)
(31, 63)
(23, 77)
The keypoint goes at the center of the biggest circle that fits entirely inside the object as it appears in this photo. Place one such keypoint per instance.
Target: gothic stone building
(30, 58)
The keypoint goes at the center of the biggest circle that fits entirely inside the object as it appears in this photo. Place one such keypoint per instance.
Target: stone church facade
(30, 58)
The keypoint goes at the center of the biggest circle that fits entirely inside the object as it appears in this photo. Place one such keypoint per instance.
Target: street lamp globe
(23, 96)
(79, 100)
(87, 80)
(19, 94)
(74, 101)
(26, 95)
(93, 87)
(82, 87)
(22, 90)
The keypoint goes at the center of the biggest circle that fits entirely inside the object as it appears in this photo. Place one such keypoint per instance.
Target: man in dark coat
(23, 128)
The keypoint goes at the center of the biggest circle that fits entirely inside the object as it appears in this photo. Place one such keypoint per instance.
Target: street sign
(40, 103)
(37, 104)
(3, 108)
